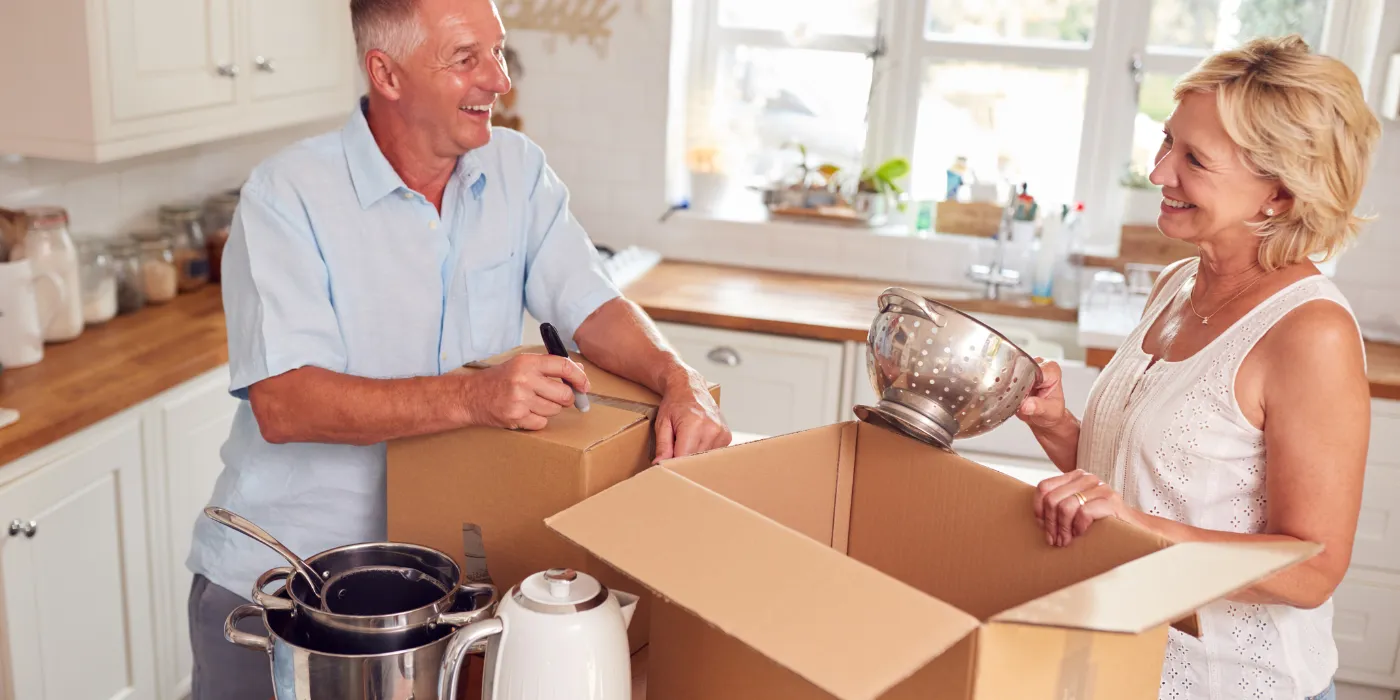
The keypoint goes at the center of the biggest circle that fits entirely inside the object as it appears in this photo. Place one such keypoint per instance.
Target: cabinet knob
(265, 64)
(228, 70)
(28, 529)
(726, 356)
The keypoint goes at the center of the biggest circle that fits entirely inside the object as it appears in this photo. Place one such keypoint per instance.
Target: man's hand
(688, 421)
(524, 392)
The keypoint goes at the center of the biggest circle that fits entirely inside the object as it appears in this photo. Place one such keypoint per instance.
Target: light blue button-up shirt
(333, 262)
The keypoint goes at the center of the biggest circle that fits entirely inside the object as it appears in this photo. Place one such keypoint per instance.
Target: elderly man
(365, 263)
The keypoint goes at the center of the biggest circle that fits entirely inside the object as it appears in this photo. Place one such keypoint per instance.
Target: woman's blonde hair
(1299, 118)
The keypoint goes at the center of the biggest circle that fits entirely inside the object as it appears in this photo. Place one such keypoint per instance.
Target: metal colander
(941, 374)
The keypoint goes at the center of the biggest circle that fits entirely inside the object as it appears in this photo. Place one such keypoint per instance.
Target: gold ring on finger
(1082, 499)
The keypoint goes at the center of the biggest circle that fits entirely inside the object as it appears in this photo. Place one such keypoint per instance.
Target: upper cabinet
(100, 80)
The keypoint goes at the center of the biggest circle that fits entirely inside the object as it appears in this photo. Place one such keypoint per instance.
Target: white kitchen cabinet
(1367, 623)
(101, 80)
(769, 385)
(185, 430)
(76, 600)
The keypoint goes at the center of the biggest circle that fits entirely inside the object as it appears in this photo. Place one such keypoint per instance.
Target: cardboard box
(486, 492)
(852, 562)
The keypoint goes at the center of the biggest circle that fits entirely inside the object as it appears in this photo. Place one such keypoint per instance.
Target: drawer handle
(265, 64)
(726, 356)
(228, 70)
(29, 529)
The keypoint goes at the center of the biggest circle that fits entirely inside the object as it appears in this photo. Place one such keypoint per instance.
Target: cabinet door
(1366, 625)
(165, 56)
(76, 590)
(297, 47)
(769, 385)
(195, 422)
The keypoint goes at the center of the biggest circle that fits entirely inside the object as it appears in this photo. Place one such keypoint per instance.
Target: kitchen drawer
(769, 385)
(1367, 628)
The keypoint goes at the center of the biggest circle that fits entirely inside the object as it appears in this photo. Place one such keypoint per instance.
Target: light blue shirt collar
(372, 175)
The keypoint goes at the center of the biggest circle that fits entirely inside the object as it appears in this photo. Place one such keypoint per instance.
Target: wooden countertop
(134, 358)
(783, 303)
(111, 368)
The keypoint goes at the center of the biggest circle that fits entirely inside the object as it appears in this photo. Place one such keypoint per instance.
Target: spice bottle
(99, 281)
(126, 267)
(180, 223)
(159, 278)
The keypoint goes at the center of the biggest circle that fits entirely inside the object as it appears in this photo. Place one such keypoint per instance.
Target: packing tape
(1077, 667)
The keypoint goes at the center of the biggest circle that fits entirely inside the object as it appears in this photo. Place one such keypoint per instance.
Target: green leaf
(892, 169)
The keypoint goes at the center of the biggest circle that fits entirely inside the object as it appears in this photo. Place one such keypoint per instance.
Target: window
(1066, 96)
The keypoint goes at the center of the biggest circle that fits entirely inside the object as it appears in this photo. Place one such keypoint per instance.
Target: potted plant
(1143, 200)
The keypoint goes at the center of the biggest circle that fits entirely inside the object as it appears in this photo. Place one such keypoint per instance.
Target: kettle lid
(561, 591)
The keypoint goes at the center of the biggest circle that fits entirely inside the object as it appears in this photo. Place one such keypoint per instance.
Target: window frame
(1116, 58)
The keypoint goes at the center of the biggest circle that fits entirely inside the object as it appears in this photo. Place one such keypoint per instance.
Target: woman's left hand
(1066, 505)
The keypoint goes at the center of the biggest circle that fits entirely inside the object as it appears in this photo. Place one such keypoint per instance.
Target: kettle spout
(628, 603)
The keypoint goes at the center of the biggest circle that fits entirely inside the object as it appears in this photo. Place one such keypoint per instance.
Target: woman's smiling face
(1207, 190)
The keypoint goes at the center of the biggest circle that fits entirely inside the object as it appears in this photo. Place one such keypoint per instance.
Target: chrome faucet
(994, 277)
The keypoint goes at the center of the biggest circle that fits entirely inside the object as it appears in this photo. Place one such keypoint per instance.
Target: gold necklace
(1206, 319)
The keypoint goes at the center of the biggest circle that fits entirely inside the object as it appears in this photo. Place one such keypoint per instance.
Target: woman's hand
(1045, 408)
(1066, 505)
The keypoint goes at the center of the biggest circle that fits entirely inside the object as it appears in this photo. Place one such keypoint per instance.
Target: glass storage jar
(49, 248)
(126, 266)
(160, 281)
(218, 217)
(180, 223)
(99, 281)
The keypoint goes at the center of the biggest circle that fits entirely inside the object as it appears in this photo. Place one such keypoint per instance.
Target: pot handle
(456, 653)
(467, 617)
(241, 638)
(270, 601)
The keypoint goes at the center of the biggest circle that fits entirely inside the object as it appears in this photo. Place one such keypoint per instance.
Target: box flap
(841, 625)
(1160, 587)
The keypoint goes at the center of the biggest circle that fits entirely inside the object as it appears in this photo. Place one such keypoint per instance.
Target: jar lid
(180, 212)
(122, 246)
(92, 243)
(146, 238)
(46, 217)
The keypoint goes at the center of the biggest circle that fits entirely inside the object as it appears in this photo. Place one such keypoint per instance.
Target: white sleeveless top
(1170, 438)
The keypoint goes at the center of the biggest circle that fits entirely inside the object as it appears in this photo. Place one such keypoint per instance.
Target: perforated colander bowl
(942, 374)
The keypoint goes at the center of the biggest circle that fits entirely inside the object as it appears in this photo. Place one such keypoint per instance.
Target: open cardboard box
(482, 494)
(852, 562)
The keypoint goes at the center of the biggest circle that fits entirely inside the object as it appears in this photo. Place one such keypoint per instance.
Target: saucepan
(398, 589)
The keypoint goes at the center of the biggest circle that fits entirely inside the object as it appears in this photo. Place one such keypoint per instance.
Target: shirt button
(444, 357)
(432, 225)
(408, 195)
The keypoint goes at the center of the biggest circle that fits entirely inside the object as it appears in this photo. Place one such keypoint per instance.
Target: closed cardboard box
(482, 494)
(852, 562)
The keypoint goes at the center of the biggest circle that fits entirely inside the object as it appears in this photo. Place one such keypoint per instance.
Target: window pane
(1213, 25)
(1013, 124)
(1012, 20)
(765, 99)
(1155, 104)
(802, 17)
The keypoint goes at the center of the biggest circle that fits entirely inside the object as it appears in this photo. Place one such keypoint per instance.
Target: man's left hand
(688, 421)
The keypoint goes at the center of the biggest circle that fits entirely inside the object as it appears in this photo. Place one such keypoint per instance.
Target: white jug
(21, 329)
(559, 635)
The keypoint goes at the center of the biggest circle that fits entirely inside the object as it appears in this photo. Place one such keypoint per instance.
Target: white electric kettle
(559, 635)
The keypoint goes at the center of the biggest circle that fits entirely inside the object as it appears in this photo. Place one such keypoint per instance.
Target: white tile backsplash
(113, 198)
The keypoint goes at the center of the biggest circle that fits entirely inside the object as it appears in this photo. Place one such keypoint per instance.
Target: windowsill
(748, 237)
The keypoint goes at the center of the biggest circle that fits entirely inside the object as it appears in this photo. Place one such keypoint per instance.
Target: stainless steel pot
(302, 673)
(439, 606)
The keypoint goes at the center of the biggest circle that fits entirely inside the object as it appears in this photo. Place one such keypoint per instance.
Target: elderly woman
(1238, 410)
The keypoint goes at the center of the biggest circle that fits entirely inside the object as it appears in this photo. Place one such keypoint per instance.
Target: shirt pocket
(494, 306)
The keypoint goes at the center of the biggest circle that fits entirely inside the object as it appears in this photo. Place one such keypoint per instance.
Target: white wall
(120, 197)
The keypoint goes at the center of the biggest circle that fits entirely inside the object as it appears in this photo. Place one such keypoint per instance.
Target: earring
(1269, 212)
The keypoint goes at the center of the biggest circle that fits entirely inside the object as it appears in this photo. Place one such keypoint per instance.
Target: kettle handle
(456, 653)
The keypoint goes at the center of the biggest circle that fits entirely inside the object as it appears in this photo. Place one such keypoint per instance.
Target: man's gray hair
(392, 26)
